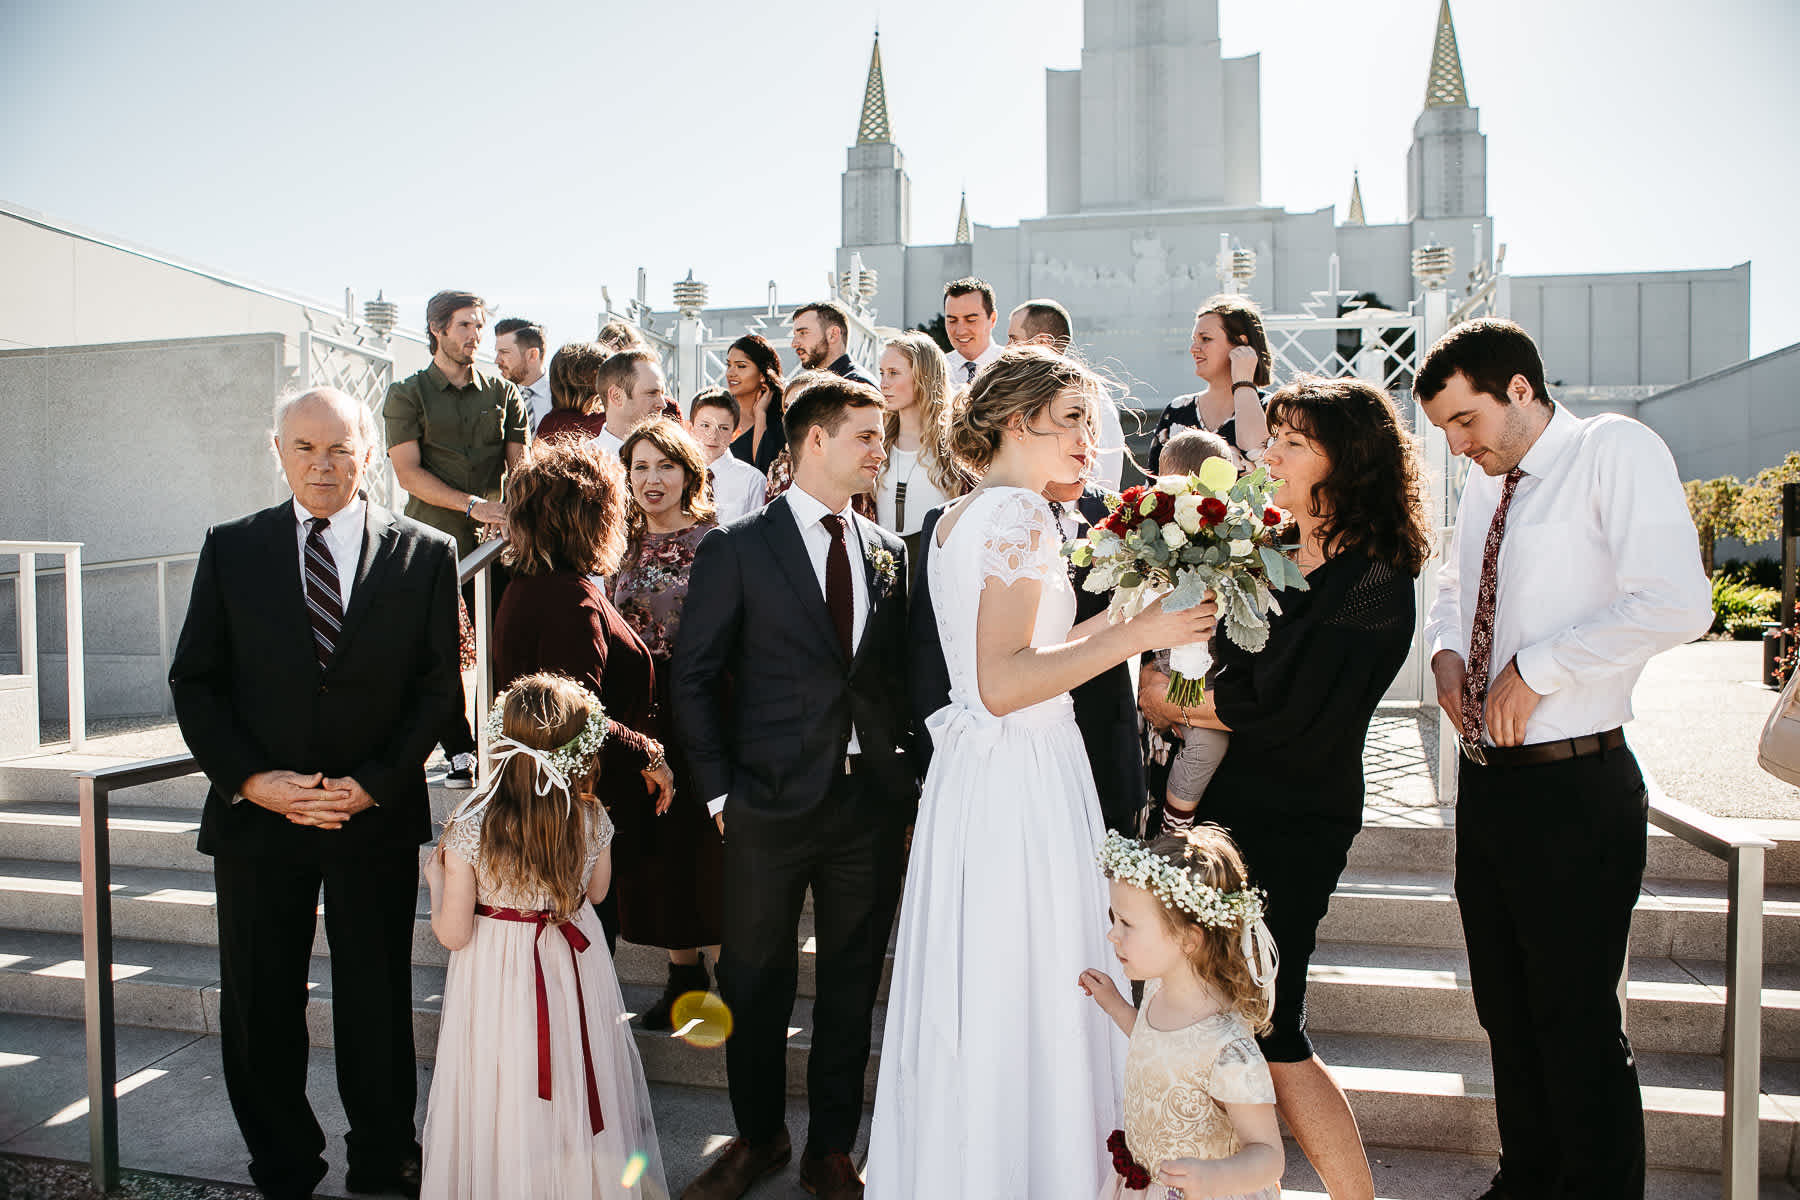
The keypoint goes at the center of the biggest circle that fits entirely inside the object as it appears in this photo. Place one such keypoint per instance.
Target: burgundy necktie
(324, 603)
(1481, 635)
(838, 597)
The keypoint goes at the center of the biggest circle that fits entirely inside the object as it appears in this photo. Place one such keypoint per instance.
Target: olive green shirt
(462, 433)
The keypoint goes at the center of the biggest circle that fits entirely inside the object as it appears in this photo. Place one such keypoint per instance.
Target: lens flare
(635, 1166)
(701, 1019)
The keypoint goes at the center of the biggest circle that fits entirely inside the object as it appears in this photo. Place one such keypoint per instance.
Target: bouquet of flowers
(1182, 536)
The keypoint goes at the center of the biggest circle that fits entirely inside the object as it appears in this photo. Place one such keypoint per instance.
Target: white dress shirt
(959, 365)
(608, 441)
(1599, 569)
(738, 487)
(343, 538)
(806, 511)
(537, 400)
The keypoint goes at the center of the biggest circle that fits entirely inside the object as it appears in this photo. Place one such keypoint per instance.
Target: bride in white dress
(999, 1078)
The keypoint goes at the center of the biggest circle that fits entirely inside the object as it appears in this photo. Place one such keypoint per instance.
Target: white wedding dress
(999, 1077)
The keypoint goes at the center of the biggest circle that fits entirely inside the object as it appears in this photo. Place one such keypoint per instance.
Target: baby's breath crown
(574, 757)
(1132, 862)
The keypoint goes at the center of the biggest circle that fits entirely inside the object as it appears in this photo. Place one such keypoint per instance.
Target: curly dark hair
(767, 360)
(1373, 498)
(565, 509)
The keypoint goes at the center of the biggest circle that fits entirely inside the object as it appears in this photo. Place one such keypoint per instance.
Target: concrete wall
(1655, 328)
(1732, 422)
(133, 449)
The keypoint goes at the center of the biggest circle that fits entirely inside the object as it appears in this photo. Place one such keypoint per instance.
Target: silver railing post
(27, 601)
(77, 649)
(97, 984)
(483, 681)
(1743, 1021)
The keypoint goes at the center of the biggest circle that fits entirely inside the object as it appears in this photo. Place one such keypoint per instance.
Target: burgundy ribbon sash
(578, 941)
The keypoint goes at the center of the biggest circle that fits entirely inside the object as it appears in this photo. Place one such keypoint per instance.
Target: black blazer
(763, 700)
(250, 696)
(1105, 706)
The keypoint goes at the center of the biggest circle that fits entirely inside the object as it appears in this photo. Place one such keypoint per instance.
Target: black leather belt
(1539, 753)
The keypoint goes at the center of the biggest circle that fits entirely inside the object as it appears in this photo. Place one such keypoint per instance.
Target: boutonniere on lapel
(884, 568)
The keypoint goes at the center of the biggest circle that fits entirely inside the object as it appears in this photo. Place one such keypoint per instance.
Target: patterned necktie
(1481, 635)
(969, 369)
(324, 603)
(1056, 510)
(838, 599)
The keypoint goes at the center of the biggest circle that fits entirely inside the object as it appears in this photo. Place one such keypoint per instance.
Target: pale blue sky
(534, 151)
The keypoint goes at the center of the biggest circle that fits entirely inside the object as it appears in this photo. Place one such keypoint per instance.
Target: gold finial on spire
(1356, 206)
(1445, 87)
(963, 237)
(873, 128)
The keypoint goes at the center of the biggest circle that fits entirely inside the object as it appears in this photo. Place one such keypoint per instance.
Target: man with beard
(519, 356)
(453, 430)
(821, 333)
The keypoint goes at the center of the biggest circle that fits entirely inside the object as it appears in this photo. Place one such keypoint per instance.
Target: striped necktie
(324, 602)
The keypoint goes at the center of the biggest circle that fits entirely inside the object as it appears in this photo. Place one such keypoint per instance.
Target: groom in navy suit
(784, 680)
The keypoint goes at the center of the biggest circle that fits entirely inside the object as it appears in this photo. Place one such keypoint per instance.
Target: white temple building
(1154, 150)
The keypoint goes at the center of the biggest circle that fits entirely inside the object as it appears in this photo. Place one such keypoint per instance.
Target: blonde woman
(919, 473)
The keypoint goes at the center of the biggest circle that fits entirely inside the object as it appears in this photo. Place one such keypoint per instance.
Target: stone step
(137, 836)
(168, 986)
(1673, 1006)
(1674, 918)
(1424, 839)
(1437, 1094)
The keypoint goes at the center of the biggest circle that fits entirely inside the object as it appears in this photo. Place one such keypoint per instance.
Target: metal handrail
(74, 643)
(94, 789)
(1745, 854)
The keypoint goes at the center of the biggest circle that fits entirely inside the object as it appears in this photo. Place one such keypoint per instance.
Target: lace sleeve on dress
(1020, 541)
(600, 831)
(1240, 1075)
(463, 837)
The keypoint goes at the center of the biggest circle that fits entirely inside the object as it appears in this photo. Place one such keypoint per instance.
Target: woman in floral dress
(669, 882)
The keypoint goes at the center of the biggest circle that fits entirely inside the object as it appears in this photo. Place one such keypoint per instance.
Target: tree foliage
(1713, 504)
(1758, 514)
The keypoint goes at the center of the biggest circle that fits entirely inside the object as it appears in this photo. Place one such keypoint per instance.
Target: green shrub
(1738, 604)
(1758, 572)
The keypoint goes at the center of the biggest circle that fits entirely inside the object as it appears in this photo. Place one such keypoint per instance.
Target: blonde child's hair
(1216, 952)
(535, 842)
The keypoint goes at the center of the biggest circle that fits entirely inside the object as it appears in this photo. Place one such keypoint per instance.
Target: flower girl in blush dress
(538, 1091)
(1199, 1103)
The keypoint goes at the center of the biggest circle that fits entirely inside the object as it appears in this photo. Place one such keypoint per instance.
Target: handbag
(1778, 751)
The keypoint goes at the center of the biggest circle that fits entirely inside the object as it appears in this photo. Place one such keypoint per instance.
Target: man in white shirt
(632, 386)
(737, 487)
(969, 320)
(1572, 562)
(519, 357)
(1047, 323)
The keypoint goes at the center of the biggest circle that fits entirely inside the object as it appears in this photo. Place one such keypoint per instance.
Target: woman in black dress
(753, 377)
(1290, 789)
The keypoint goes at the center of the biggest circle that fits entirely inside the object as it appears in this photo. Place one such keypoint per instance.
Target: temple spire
(1356, 205)
(1445, 87)
(873, 128)
(963, 237)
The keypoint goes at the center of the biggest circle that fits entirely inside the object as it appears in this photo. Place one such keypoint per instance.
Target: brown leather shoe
(738, 1166)
(830, 1176)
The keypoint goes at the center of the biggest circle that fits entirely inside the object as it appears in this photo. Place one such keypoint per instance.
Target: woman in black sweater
(1290, 789)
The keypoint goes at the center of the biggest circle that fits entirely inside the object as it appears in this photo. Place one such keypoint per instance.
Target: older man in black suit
(317, 664)
(797, 615)
(1105, 706)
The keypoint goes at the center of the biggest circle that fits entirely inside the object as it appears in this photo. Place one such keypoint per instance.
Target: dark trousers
(848, 852)
(1549, 860)
(266, 910)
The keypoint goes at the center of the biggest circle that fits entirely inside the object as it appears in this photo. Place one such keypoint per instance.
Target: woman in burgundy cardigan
(565, 519)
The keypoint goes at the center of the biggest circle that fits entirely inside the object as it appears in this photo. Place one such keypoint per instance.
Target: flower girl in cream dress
(1199, 1103)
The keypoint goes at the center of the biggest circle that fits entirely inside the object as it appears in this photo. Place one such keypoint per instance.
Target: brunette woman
(753, 377)
(574, 400)
(1231, 356)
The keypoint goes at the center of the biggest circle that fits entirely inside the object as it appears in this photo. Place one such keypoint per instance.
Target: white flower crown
(1132, 862)
(557, 768)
